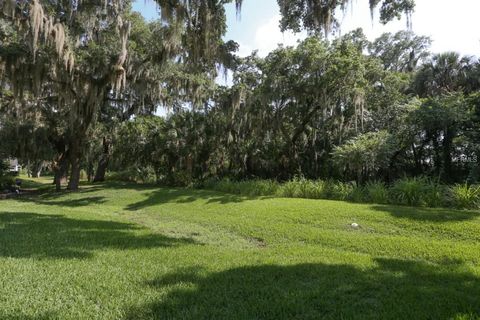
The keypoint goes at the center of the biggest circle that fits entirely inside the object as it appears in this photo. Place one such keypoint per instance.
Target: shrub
(409, 191)
(7, 181)
(289, 189)
(246, 187)
(358, 194)
(229, 186)
(262, 188)
(4, 168)
(465, 196)
(336, 190)
(302, 188)
(142, 175)
(434, 194)
(376, 192)
(180, 178)
(313, 189)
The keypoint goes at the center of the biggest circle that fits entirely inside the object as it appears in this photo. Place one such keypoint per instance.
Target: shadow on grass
(395, 289)
(30, 235)
(162, 195)
(156, 196)
(50, 199)
(35, 183)
(427, 214)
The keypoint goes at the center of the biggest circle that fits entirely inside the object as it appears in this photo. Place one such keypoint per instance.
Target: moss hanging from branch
(120, 78)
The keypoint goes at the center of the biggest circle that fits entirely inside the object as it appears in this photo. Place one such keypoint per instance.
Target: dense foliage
(322, 110)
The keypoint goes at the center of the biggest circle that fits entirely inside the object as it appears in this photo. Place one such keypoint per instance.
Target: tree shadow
(31, 235)
(395, 289)
(50, 199)
(157, 196)
(162, 196)
(33, 183)
(427, 214)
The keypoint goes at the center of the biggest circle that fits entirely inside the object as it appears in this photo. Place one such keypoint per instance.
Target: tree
(87, 45)
(444, 73)
(318, 16)
(441, 121)
(401, 52)
(365, 155)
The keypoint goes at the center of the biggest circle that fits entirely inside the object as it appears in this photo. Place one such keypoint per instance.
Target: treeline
(348, 110)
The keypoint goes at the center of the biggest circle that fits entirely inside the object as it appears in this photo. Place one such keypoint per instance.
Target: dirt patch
(258, 242)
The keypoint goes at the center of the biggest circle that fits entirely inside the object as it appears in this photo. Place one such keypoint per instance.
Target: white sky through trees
(452, 24)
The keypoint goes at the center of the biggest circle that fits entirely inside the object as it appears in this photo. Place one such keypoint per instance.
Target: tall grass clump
(465, 196)
(316, 189)
(358, 194)
(258, 187)
(245, 187)
(434, 194)
(302, 188)
(376, 192)
(289, 189)
(336, 190)
(229, 186)
(409, 191)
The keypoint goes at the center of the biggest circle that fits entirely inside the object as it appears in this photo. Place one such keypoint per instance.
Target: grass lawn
(119, 251)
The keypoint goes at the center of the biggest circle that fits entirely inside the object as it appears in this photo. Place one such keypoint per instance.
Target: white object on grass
(355, 225)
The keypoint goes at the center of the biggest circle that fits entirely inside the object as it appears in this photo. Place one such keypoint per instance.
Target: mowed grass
(120, 251)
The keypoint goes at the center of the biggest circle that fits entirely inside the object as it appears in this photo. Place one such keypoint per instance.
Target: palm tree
(444, 73)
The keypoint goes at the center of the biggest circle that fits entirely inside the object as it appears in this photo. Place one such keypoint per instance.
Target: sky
(452, 24)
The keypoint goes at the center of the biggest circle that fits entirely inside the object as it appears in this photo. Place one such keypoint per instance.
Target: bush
(465, 196)
(246, 187)
(434, 194)
(336, 190)
(299, 187)
(228, 186)
(262, 187)
(409, 191)
(142, 175)
(180, 178)
(376, 192)
(289, 189)
(312, 189)
(358, 194)
(7, 181)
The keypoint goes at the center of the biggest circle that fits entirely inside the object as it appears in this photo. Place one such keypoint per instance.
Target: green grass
(122, 251)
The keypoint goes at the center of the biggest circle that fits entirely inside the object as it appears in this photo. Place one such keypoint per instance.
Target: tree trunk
(75, 154)
(447, 145)
(60, 169)
(37, 169)
(103, 163)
